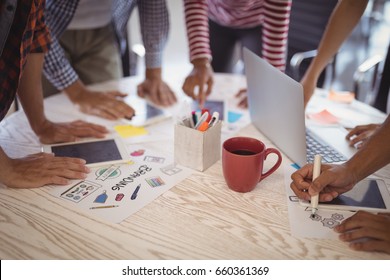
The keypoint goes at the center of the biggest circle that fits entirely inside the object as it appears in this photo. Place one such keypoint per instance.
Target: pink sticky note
(324, 117)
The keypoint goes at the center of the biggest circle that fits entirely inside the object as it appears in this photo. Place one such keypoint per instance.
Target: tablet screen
(92, 152)
(366, 193)
(212, 106)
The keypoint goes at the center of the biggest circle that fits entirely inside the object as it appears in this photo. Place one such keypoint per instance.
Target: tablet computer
(94, 152)
(369, 195)
(145, 112)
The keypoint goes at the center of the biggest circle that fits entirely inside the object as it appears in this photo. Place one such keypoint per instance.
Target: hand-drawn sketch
(80, 191)
(101, 198)
(135, 193)
(119, 197)
(154, 159)
(155, 181)
(138, 153)
(120, 190)
(302, 224)
(111, 172)
(171, 169)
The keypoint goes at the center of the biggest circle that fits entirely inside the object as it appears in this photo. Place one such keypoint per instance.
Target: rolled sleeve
(154, 22)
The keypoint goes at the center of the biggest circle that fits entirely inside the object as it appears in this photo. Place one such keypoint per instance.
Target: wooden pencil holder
(196, 149)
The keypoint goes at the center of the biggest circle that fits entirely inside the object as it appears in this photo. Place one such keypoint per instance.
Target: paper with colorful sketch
(301, 222)
(114, 192)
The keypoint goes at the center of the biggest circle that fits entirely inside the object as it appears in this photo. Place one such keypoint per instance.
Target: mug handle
(276, 165)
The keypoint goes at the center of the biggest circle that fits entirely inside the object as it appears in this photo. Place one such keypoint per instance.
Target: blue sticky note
(233, 116)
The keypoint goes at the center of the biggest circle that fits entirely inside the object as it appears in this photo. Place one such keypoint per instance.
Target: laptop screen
(276, 106)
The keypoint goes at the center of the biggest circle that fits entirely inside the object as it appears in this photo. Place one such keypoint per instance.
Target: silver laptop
(276, 109)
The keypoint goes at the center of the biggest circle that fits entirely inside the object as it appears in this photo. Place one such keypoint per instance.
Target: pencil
(103, 207)
(316, 173)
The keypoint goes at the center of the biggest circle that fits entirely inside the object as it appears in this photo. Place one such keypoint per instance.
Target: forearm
(197, 27)
(57, 68)
(154, 22)
(30, 91)
(4, 165)
(341, 23)
(75, 91)
(274, 40)
(373, 155)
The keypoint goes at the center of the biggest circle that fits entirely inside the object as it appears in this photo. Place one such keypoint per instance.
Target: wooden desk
(200, 218)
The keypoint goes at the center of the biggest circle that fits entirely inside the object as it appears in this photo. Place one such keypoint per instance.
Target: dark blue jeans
(223, 41)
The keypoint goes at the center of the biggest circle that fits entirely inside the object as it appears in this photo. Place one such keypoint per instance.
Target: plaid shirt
(154, 22)
(26, 34)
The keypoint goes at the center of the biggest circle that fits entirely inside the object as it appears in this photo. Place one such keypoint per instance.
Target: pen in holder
(196, 149)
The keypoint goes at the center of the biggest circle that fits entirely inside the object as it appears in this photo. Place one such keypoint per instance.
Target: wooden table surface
(200, 218)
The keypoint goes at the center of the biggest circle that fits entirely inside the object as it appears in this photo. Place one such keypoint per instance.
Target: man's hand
(201, 75)
(333, 180)
(155, 89)
(366, 232)
(50, 132)
(41, 169)
(361, 133)
(107, 105)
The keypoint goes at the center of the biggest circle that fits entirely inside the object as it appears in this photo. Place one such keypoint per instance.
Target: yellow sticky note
(130, 131)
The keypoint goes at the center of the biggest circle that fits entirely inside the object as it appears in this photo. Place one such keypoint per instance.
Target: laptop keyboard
(315, 146)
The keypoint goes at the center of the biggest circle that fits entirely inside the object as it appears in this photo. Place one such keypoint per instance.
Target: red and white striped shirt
(273, 15)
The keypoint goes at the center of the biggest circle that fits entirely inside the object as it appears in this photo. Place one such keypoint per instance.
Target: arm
(275, 31)
(337, 179)
(30, 95)
(341, 23)
(196, 17)
(373, 155)
(60, 73)
(57, 68)
(154, 22)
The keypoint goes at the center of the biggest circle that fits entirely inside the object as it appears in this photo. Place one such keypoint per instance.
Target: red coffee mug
(242, 162)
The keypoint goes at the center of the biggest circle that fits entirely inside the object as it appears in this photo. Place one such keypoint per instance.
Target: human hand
(333, 180)
(107, 105)
(201, 74)
(243, 103)
(50, 132)
(360, 134)
(366, 232)
(155, 89)
(41, 169)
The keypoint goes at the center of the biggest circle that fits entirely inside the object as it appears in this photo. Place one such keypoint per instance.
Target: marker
(103, 207)
(316, 173)
(203, 126)
(198, 114)
(192, 123)
(202, 119)
(206, 110)
(214, 119)
(194, 119)
(134, 195)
